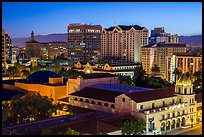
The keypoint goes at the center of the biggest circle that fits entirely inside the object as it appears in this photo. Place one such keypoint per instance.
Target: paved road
(193, 131)
(196, 130)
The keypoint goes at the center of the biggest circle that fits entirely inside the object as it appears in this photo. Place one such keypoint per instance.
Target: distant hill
(195, 40)
(41, 39)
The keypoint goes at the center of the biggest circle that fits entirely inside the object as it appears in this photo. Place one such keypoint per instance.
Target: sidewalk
(181, 130)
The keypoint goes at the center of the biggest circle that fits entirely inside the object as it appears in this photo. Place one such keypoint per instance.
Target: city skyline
(53, 17)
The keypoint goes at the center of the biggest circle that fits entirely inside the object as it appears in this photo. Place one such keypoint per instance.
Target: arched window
(123, 99)
(93, 102)
(106, 104)
(99, 103)
(190, 90)
(81, 100)
(75, 99)
(179, 90)
(87, 101)
(185, 91)
(112, 106)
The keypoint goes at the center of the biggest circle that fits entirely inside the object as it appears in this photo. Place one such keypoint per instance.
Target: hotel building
(156, 54)
(84, 42)
(185, 62)
(6, 50)
(3, 52)
(124, 42)
(32, 47)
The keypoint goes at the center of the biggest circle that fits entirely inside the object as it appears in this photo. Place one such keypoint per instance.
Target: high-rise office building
(185, 62)
(156, 54)
(33, 47)
(159, 35)
(3, 52)
(84, 42)
(54, 49)
(6, 50)
(124, 42)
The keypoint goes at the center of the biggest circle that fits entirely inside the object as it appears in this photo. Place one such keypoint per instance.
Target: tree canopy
(155, 69)
(133, 127)
(28, 108)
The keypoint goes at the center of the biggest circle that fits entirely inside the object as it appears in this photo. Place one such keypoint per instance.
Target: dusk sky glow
(20, 18)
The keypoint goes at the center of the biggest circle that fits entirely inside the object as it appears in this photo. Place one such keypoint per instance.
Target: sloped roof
(152, 94)
(124, 27)
(137, 27)
(99, 94)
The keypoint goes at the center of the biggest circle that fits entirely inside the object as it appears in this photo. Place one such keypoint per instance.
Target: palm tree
(139, 73)
(177, 73)
(155, 69)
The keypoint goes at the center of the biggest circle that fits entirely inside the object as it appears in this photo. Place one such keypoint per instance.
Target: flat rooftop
(120, 88)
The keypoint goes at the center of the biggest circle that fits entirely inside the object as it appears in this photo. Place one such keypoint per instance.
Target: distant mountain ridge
(62, 37)
(194, 40)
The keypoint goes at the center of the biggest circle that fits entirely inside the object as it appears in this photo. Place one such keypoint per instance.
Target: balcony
(164, 108)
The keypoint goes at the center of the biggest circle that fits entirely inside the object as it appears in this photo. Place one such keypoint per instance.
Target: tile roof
(99, 94)
(120, 87)
(110, 29)
(123, 27)
(198, 97)
(151, 94)
(117, 120)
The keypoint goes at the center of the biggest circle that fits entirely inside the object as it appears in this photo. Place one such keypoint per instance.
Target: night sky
(20, 18)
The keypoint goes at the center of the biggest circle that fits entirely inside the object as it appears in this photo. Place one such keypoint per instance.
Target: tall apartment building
(156, 54)
(84, 42)
(3, 52)
(32, 47)
(185, 62)
(124, 42)
(6, 50)
(159, 35)
(54, 49)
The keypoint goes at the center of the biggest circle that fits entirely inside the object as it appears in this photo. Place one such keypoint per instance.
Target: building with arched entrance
(163, 109)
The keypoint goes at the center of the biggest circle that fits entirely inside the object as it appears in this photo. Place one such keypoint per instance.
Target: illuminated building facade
(54, 49)
(124, 42)
(185, 62)
(122, 69)
(159, 35)
(3, 52)
(46, 83)
(32, 47)
(156, 54)
(84, 42)
(170, 108)
(6, 50)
